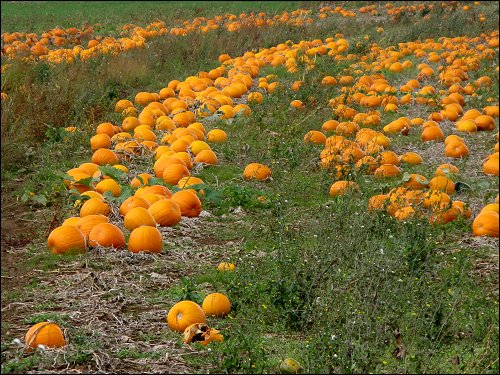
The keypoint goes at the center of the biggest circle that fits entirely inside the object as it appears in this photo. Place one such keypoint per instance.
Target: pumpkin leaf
(112, 172)
(462, 186)
(406, 177)
(86, 181)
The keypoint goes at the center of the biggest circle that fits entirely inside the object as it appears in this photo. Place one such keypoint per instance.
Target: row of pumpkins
(167, 117)
(59, 45)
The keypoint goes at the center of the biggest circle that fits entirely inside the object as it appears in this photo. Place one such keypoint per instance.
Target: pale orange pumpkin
(65, 239)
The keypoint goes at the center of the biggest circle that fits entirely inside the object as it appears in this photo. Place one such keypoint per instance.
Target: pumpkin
(163, 162)
(200, 332)
(411, 158)
(490, 207)
(387, 170)
(156, 189)
(104, 156)
(456, 149)
(216, 136)
(94, 206)
(186, 182)
(107, 235)
(416, 182)
(198, 146)
(377, 202)
(174, 172)
(341, 187)
(108, 185)
(388, 157)
(147, 239)
(468, 126)
(100, 141)
(446, 169)
(404, 213)
(87, 223)
(330, 125)
(256, 171)
(165, 212)
(185, 157)
(138, 216)
(225, 266)
(442, 183)
(183, 314)
(142, 179)
(67, 238)
(436, 199)
(216, 304)
(48, 334)
(314, 136)
(485, 122)
(132, 202)
(432, 133)
(486, 224)
(490, 166)
(71, 221)
(206, 157)
(189, 203)
(123, 104)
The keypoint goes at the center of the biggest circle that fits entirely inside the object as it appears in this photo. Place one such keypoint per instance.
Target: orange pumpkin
(341, 187)
(104, 156)
(174, 172)
(147, 239)
(107, 235)
(486, 224)
(456, 149)
(108, 185)
(216, 136)
(87, 223)
(131, 202)
(442, 183)
(94, 206)
(166, 212)
(189, 203)
(206, 157)
(387, 170)
(183, 314)
(48, 334)
(432, 133)
(138, 216)
(256, 171)
(65, 239)
(216, 304)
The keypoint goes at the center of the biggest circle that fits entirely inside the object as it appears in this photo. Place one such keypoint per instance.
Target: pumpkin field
(250, 187)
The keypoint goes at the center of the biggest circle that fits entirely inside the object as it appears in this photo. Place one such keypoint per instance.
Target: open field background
(318, 278)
